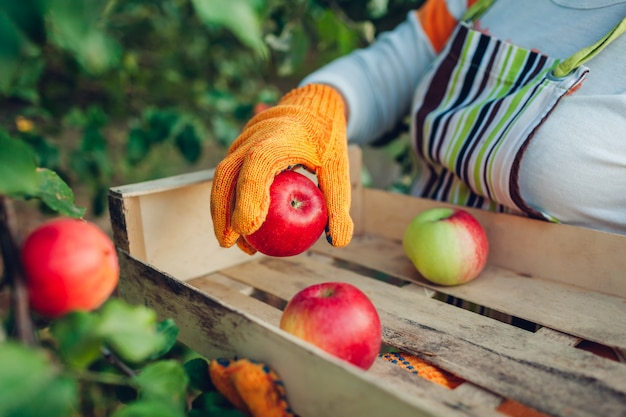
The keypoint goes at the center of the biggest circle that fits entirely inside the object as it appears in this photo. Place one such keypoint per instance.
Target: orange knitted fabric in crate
(415, 365)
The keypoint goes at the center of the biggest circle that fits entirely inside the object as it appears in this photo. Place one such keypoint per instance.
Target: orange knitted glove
(306, 128)
(253, 388)
(422, 368)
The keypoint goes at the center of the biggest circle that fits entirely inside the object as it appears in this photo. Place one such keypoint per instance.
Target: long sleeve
(378, 82)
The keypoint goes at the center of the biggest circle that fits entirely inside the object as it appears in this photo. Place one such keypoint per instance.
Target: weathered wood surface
(218, 321)
(571, 255)
(548, 376)
(593, 316)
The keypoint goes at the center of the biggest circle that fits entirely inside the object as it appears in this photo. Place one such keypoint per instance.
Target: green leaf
(75, 27)
(189, 144)
(138, 145)
(238, 16)
(27, 374)
(77, 337)
(213, 404)
(197, 370)
(12, 44)
(160, 124)
(56, 194)
(149, 409)
(46, 153)
(164, 381)
(131, 331)
(28, 16)
(169, 330)
(57, 399)
(18, 175)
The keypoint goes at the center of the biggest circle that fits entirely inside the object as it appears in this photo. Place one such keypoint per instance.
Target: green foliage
(29, 374)
(74, 363)
(21, 178)
(95, 94)
(142, 81)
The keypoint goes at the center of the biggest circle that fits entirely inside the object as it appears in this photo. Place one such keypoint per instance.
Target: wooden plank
(163, 184)
(169, 226)
(561, 253)
(501, 358)
(317, 383)
(593, 316)
(385, 373)
(126, 224)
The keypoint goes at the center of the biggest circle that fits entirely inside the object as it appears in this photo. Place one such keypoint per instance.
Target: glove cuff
(320, 98)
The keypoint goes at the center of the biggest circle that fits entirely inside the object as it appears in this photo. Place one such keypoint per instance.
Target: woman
(515, 106)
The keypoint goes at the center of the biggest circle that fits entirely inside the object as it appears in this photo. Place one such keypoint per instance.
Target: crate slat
(568, 309)
(570, 255)
(317, 383)
(392, 376)
(545, 375)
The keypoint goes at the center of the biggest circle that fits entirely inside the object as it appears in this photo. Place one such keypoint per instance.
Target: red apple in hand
(338, 318)
(69, 265)
(296, 218)
(447, 246)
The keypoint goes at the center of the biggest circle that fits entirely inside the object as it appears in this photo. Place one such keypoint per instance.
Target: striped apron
(475, 113)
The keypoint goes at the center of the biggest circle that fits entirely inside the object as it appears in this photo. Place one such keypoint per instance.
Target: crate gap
(515, 321)
(437, 295)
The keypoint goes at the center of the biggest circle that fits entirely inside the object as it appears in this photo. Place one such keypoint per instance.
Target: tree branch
(117, 362)
(14, 273)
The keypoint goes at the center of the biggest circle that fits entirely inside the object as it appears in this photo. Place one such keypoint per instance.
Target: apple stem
(295, 203)
(328, 292)
(14, 273)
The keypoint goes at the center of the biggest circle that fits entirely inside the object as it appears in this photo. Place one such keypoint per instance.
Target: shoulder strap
(477, 10)
(579, 58)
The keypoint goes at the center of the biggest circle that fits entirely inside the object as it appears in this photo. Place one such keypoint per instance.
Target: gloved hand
(251, 387)
(306, 128)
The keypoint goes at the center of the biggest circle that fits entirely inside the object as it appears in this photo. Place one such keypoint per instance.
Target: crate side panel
(125, 217)
(317, 383)
(385, 373)
(499, 357)
(590, 315)
(571, 255)
(178, 232)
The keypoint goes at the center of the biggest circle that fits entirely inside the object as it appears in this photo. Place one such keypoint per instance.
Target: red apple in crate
(448, 246)
(338, 318)
(296, 218)
(69, 265)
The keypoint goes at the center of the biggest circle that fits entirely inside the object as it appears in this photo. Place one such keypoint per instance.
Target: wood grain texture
(571, 255)
(548, 376)
(590, 315)
(317, 383)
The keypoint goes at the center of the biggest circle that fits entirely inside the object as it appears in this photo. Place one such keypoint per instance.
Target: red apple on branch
(448, 246)
(296, 218)
(69, 265)
(338, 318)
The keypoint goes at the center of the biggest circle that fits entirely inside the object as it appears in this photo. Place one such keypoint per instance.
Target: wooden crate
(568, 282)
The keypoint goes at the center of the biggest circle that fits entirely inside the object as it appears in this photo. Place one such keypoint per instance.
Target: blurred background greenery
(119, 91)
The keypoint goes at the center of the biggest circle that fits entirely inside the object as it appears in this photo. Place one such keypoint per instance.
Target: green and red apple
(338, 318)
(448, 246)
(296, 218)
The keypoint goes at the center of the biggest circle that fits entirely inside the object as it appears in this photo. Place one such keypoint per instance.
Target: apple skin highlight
(338, 318)
(447, 246)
